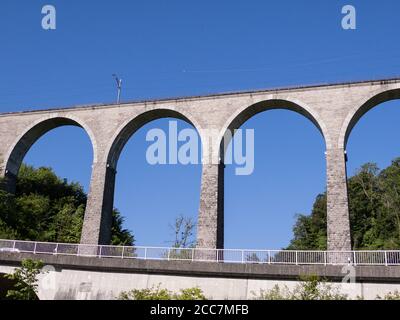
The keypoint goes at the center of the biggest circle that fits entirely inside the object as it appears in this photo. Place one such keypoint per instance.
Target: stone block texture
(334, 109)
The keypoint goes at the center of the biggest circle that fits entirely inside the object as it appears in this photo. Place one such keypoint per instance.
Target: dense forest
(47, 208)
(374, 204)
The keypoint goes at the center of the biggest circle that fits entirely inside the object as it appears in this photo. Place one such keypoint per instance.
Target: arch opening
(129, 129)
(151, 196)
(372, 144)
(289, 170)
(29, 138)
(355, 115)
(275, 104)
(49, 170)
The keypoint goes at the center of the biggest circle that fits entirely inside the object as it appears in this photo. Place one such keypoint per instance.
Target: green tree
(26, 281)
(374, 207)
(120, 236)
(47, 208)
(310, 231)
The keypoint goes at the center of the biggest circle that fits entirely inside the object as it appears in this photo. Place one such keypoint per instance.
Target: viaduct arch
(28, 137)
(242, 115)
(236, 121)
(358, 111)
(101, 195)
(333, 108)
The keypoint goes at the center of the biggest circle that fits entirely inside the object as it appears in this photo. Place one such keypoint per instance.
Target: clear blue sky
(177, 48)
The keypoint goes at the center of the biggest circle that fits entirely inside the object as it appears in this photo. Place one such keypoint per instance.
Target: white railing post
(145, 253)
(14, 243)
(296, 258)
(242, 256)
(56, 249)
(34, 248)
(169, 253)
(123, 251)
(386, 260)
(101, 251)
(269, 257)
(192, 254)
(325, 258)
(354, 258)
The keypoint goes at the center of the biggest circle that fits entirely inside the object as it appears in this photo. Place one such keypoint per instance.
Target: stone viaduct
(333, 108)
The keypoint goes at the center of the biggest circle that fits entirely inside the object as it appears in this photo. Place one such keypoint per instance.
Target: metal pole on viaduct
(334, 109)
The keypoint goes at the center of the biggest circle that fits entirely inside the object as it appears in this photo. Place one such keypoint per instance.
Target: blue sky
(180, 48)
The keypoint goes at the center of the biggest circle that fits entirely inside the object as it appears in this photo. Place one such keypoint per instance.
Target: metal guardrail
(287, 257)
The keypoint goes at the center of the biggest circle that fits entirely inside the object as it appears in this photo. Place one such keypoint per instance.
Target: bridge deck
(379, 274)
(213, 95)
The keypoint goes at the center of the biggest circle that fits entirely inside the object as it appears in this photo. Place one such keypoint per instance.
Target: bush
(158, 293)
(390, 296)
(310, 288)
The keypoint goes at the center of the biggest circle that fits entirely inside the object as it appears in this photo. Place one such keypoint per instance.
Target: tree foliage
(374, 206)
(184, 228)
(47, 208)
(310, 288)
(119, 235)
(314, 288)
(25, 280)
(158, 293)
(390, 296)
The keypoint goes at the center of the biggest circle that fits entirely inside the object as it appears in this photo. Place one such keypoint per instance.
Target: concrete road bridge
(102, 272)
(76, 271)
